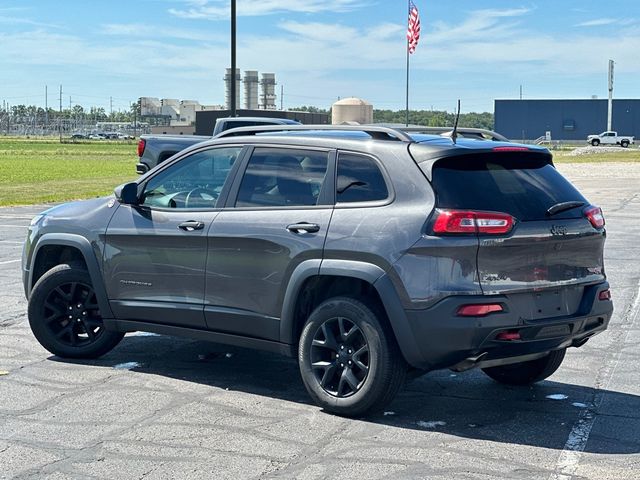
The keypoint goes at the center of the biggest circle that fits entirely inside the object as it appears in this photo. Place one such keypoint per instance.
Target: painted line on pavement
(10, 261)
(569, 460)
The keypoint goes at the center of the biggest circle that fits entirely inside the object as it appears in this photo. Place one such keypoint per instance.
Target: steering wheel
(200, 198)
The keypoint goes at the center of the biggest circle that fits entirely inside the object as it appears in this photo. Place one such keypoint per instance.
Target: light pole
(232, 103)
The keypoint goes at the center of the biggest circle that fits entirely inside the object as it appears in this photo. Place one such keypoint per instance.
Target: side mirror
(127, 194)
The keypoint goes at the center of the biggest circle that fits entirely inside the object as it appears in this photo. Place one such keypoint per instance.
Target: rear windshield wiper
(563, 207)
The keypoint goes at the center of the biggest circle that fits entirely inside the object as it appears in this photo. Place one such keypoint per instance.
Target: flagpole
(407, 92)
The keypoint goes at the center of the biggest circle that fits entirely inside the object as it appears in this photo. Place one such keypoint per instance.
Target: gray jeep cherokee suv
(366, 252)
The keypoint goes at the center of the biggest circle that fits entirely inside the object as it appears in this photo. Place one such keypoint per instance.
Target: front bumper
(445, 340)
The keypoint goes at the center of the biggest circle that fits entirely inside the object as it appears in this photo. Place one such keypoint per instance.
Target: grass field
(626, 156)
(39, 171)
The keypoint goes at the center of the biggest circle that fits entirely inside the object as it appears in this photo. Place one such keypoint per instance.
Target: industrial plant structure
(266, 100)
(351, 110)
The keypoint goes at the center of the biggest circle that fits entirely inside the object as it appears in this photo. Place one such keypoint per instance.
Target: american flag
(413, 32)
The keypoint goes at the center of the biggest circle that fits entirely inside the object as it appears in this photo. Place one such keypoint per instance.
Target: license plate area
(548, 303)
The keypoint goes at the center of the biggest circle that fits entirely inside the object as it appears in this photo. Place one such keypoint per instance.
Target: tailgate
(553, 248)
(542, 254)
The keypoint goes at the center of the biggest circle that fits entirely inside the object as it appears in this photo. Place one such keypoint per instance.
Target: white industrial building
(179, 112)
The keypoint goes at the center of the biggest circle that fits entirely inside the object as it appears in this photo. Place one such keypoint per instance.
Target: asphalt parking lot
(159, 407)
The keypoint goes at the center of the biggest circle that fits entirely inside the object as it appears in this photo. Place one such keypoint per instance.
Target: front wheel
(624, 143)
(526, 373)
(595, 142)
(64, 315)
(349, 362)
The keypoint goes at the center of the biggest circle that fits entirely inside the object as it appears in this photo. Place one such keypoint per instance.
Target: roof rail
(462, 131)
(376, 133)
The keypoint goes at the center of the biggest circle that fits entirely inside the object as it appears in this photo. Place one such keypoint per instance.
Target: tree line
(31, 113)
(429, 118)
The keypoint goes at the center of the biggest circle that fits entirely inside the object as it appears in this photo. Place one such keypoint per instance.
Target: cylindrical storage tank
(268, 83)
(251, 83)
(227, 89)
(351, 110)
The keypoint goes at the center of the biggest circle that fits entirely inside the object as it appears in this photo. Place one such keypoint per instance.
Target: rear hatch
(551, 247)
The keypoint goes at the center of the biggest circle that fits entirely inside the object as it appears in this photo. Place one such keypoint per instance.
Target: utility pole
(610, 108)
(46, 107)
(111, 106)
(520, 92)
(60, 116)
(281, 97)
(232, 102)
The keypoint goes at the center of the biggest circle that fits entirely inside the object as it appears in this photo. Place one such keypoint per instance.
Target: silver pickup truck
(155, 149)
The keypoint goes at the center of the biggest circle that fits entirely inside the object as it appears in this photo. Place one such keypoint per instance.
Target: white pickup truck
(610, 138)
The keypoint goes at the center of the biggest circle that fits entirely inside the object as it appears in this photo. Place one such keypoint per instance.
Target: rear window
(520, 185)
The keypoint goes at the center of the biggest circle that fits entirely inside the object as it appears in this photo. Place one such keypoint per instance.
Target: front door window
(194, 182)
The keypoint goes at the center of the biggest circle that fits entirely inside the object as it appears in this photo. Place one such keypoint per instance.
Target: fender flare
(84, 246)
(368, 272)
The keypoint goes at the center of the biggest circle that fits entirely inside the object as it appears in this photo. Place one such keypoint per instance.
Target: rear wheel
(595, 142)
(350, 364)
(526, 373)
(64, 315)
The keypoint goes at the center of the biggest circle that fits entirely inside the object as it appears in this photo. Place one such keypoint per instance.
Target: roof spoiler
(461, 131)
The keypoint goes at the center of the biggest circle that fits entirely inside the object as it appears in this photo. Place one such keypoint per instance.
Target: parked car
(97, 136)
(78, 136)
(353, 249)
(155, 149)
(610, 138)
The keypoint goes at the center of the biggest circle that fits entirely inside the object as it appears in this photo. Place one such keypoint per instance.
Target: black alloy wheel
(349, 359)
(72, 315)
(340, 357)
(65, 317)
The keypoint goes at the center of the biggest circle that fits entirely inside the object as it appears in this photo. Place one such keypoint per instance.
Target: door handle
(304, 227)
(191, 226)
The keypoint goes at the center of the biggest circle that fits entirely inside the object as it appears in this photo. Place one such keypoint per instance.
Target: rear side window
(523, 186)
(359, 180)
(278, 177)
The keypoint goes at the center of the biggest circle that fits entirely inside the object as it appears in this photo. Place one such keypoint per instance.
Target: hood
(77, 210)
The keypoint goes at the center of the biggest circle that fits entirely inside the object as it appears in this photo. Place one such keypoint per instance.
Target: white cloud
(8, 20)
(598, 22)
(141, 30)
(220, 9)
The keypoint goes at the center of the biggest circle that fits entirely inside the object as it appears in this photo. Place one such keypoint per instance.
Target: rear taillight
(141, 146)
(479, 310)
(595, 216)
(470, 221)
(604, 295)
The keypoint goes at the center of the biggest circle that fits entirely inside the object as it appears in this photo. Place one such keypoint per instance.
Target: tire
(595, 142)
(64, 315)
(526, 373)
(624, 143)
(364, 375)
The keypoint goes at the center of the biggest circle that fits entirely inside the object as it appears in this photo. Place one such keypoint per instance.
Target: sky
(320, 50)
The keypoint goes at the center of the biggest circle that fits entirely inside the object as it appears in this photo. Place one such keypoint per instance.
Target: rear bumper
(445, 340)
(142, 168)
